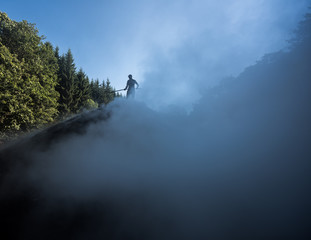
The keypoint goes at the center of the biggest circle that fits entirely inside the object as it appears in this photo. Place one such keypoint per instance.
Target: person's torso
(131, 83)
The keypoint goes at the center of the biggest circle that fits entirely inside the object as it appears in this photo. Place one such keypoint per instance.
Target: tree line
(38, 84)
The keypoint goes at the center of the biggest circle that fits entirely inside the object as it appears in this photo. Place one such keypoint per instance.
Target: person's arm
(127, 85)
(137, 84)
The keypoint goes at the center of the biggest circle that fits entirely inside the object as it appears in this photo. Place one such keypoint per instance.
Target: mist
(174, 46)
(229, 160)
(189, 48)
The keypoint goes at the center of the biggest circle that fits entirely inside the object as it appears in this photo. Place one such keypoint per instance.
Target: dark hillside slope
(20, 201)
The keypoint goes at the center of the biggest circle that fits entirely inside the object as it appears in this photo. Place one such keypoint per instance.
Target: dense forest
(38, 84)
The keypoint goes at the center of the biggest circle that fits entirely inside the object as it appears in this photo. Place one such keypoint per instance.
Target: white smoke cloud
(213, 40)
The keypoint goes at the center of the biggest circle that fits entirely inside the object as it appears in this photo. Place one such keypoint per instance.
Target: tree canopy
(38, 85)
(28, 73)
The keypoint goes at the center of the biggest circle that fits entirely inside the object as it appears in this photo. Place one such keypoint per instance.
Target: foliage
(90, 104)
(38, 85)
(28, 76)
(102, 93)
(15, 112)
(82, 90)
(66, 83)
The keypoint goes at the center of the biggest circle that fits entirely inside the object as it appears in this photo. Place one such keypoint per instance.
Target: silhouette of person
(130, 87)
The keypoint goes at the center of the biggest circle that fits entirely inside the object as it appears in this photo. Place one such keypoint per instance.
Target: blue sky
(163, 41)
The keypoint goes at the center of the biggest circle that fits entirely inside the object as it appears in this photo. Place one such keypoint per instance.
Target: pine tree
(95, 91)
(83, 91)
(109, 93)
(66, 85)
(102, 93)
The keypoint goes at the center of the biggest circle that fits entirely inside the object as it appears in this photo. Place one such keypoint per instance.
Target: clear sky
(162, 40)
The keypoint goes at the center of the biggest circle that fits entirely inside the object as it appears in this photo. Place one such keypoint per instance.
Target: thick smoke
(236, 167)
(212, 40)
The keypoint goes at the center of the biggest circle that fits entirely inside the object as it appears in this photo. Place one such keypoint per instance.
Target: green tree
(102, 93)
(15, 111)
(83, 91)
(29, 66)
(109, 93)
(90, 104)
(66, 84)
(95, 91)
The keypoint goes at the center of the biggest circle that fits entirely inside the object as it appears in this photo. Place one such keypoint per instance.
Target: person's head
(130, 76)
